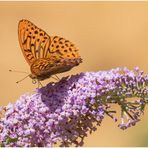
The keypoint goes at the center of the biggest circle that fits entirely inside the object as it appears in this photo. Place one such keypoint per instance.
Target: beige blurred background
(109, 35)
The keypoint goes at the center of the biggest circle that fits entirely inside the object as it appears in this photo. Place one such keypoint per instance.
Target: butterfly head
(34, 78)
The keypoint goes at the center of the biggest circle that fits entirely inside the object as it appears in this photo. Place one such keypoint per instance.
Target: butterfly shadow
(56, 94)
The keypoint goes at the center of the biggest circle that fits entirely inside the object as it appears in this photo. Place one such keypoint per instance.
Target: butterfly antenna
(18, 71)
(22, 79)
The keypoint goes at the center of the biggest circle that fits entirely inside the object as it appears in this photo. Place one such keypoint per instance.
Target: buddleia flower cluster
(65, 112)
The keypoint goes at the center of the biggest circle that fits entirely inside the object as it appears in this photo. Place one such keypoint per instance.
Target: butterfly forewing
(34, 41)
(46, 55)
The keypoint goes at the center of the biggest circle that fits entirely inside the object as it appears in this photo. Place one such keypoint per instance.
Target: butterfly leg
(55, 78)
(39, 84)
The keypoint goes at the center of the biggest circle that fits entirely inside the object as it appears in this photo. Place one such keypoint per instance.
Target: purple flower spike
(67, 110)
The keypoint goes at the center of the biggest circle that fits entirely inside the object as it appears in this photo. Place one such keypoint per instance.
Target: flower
(67, 110)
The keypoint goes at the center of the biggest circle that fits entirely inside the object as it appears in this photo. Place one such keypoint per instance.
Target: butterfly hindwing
(44, 68)
(34, 41)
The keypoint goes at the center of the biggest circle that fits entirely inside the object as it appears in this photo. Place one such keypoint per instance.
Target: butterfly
(46, 55)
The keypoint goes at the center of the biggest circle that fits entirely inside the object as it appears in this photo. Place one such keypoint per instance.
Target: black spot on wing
(57, 46)
(41, 34)
(36, 32)
(73, 54)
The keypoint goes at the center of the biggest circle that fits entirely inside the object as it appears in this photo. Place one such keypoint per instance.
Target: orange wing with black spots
(46, 55)
(64, 48)
(34, 41)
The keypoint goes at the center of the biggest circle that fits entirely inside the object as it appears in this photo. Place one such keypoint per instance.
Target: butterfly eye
(34, 81)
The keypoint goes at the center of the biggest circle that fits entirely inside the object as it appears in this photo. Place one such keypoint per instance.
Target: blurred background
(108, 34)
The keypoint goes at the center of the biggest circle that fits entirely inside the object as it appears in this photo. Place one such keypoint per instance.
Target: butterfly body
(46, 55)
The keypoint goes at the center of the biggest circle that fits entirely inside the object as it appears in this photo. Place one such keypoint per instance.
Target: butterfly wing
(62, 48)
(61, 56)
(46, 55)
(34, 41)
(44, 68)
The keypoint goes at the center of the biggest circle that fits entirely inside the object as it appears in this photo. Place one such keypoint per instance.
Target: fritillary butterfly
(46, 55)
